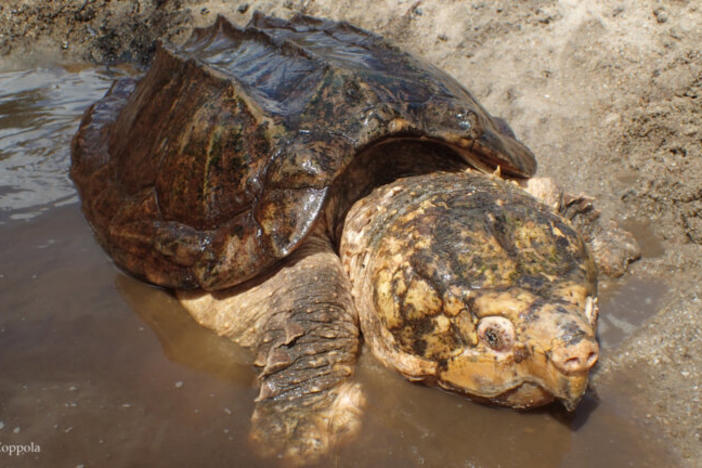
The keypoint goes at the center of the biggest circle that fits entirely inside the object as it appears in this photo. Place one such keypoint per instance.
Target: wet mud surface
(100, 369)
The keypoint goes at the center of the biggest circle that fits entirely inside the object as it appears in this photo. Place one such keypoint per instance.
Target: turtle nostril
(577, 358)
(572, 364)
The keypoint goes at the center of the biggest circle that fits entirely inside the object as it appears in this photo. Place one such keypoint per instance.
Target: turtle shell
(217, 162)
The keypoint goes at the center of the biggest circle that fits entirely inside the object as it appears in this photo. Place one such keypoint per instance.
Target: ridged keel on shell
(220, 161)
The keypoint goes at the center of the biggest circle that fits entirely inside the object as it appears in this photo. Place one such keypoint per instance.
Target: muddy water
(38, 112)
(98, 369)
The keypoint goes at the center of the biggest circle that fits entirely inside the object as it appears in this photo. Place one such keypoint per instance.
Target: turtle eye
(496, 332)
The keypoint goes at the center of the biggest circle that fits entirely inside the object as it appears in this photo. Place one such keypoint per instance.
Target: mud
(606, 93)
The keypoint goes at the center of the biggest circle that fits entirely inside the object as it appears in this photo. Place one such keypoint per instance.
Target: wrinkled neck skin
(464, 281)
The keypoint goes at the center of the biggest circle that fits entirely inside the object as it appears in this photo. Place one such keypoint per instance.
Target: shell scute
(238, 135)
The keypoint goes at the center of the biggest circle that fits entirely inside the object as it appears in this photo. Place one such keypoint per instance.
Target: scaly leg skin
(301, 323)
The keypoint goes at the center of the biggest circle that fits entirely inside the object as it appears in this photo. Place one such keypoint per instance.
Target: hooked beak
(571, 404)
(572, 391)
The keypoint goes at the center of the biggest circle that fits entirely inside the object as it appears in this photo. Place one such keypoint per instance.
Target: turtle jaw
(534, 381)
(531, 395)
(569, 391)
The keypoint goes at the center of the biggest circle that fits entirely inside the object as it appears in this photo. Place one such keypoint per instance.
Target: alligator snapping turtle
(296, 180)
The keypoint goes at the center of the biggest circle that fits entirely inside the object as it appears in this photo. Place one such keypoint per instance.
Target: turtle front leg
(301, 323)
(612, 247)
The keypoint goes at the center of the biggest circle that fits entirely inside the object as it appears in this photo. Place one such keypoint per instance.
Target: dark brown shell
(216, 164)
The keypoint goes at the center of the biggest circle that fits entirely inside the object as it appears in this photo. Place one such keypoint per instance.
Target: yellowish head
(466, 282)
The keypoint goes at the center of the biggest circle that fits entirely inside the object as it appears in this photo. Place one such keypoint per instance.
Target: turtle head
(525, 350)
(465, 281)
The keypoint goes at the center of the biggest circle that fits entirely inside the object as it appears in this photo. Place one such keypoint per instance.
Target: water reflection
(39, 112)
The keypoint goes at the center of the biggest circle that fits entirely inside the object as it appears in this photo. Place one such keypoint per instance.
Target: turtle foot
(612, 247)
(300, 430)
(301, 324)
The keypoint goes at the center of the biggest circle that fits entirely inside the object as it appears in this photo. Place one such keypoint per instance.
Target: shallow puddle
(99, 369)
(624, 306)
(650, 245)
(39, 112)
